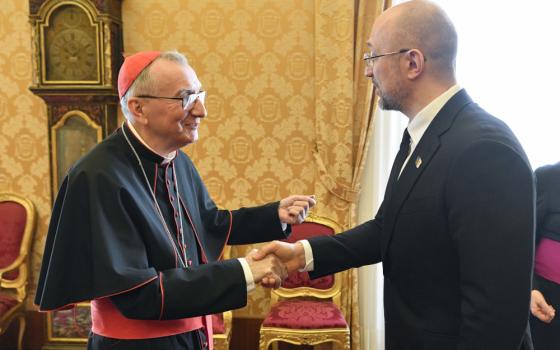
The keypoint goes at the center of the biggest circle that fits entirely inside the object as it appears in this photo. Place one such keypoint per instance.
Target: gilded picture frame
(69, 326)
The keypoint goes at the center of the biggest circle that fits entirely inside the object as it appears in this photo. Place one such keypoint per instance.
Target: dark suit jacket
(455, 237)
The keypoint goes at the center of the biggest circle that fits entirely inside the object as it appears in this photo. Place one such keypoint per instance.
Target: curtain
(344, 106)
(388, 128)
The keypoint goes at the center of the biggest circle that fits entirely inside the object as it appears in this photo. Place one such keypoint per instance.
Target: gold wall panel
(24, 158)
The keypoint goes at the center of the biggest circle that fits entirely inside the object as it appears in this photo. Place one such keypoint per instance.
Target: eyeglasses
(369, 58)
(187, 101)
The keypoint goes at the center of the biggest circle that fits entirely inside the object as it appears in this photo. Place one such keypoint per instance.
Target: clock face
(71, 47)
(73, 56)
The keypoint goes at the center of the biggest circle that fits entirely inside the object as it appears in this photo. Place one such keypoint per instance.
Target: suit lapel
(419, 160)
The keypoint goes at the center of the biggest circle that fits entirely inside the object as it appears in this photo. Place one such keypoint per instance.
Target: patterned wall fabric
(24, 158)
(256, 60)
(285, 102)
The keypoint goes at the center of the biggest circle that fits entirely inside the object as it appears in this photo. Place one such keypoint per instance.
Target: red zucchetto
(132, 67)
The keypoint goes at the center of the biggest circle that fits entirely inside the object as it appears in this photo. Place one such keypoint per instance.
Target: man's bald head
(423, 25)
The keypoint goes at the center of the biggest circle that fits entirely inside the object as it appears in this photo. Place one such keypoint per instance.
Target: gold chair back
(14, 275)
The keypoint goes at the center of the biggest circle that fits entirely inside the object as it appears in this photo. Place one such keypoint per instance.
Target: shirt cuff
(284, 226)
(248, 274)
(309, 265)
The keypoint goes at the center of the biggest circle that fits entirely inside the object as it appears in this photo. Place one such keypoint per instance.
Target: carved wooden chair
(304, 311)
(221, 323)
(17, 222)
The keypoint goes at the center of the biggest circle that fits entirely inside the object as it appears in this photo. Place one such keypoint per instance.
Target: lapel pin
(418, 162)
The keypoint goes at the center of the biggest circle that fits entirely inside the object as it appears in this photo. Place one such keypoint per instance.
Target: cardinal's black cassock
(151, 271)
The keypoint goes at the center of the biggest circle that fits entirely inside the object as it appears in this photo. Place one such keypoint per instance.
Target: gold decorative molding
(104, 43)
(107, 56)
(269, 335)
(43, 26)
(58, 126)
(51, 337)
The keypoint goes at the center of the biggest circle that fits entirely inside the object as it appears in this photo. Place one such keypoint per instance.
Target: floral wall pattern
(256, 60)
(24, 157)
(281, 102)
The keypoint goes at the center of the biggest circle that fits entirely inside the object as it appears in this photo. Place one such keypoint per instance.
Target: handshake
(272, 263)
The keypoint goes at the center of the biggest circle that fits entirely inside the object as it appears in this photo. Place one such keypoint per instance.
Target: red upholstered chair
(305, 311)
(221, 323)
(17, 221)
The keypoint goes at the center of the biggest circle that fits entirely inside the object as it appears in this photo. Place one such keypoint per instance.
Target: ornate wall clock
(77, 47)
(71, 48)
(77, 51)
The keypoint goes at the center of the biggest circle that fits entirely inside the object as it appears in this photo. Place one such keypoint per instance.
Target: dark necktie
(399, 160)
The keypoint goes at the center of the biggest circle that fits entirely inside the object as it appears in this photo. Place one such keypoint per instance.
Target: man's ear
(137, 110)
(415, 59)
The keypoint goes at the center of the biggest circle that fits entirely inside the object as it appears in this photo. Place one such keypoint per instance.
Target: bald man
(455, 229)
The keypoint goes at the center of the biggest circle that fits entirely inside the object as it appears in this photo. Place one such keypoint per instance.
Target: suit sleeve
(180, 293)
(490, 198)
(216, 286)
(356, 247)
(256, 225)
(541, 202)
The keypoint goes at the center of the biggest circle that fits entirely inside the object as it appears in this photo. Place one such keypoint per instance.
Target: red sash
(109, 322)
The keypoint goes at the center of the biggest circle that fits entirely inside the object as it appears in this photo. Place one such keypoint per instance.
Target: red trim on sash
(107, 321)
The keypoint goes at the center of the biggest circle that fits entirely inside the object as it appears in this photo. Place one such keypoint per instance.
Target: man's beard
(389, 102)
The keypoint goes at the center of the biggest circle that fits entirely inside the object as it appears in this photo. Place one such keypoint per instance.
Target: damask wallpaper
(284, 115)
(256, 60)
(24, 158)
